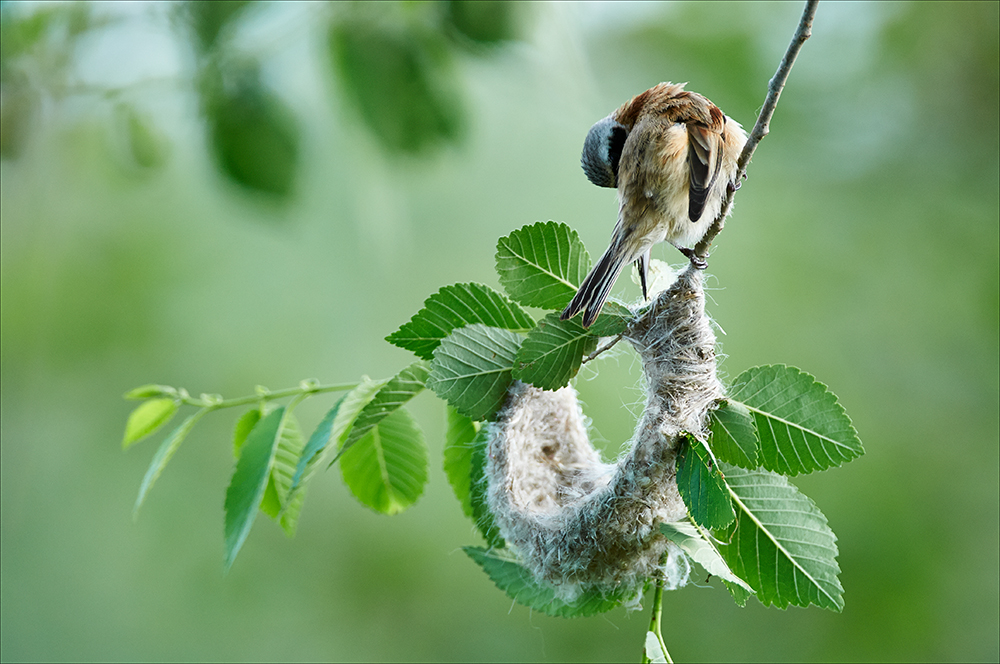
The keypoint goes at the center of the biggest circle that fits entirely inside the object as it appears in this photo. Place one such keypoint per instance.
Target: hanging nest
(577, 523)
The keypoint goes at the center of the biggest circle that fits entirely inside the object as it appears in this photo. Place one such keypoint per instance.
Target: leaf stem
(656, 618)
(305, 388)
(763, 124)
(603, 348)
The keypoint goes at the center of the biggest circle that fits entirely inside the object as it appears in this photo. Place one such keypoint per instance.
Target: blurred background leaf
(210, 19)
(253, 135)
(484, 22)
(864, 248)
(399, 79)
(147, 147)
(36, 47)
(18, 104)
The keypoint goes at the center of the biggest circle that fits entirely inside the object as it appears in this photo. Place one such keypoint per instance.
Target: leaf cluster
(37, 45)
(393, 63)
(748, 525)
(479, 340)
(777, 421)
(381, 448)
(472, 343)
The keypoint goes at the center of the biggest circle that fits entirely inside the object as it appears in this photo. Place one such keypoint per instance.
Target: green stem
(655, 619)
(305, 389)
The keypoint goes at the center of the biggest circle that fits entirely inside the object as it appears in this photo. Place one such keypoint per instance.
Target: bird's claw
(697, 261)
(733, 187)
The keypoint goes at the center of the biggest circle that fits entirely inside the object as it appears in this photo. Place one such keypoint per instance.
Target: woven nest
(580, 524)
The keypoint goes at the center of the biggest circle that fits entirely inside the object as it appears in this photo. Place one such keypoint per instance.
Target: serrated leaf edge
(755, 461)
(425, 313)
(835, 601)
(847, 453)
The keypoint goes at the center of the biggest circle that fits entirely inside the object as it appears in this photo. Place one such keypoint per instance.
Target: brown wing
(704, 163)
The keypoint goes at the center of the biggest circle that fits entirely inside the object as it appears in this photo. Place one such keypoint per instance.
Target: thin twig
(603, 348)
(656, 620)
(306, 388)
(762, 127)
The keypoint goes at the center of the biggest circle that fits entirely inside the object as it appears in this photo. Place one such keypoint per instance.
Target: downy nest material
(581, 524)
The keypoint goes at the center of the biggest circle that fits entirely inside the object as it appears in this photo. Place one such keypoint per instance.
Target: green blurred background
(223, 196)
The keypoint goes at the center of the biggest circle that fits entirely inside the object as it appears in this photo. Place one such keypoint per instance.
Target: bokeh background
(221, 196)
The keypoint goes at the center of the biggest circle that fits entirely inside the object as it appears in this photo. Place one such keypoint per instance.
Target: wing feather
(704, 163)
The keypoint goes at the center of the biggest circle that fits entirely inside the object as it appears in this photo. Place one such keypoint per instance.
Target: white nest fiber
(580, 524)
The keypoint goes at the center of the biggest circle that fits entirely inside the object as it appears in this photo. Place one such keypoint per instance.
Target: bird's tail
(596, 287)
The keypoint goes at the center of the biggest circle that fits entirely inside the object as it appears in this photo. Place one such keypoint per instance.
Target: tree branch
(763, 125)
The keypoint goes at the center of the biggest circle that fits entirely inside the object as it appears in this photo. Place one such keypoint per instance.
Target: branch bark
(763, 125)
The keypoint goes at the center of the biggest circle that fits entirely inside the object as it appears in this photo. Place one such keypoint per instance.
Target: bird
(671, 154)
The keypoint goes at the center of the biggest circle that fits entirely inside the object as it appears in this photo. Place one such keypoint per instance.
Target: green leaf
(453, 307)
(478, 486)
(270, 504)
(471, 369)
(318, 441)
(21, 102)
(391, 396)
(242, 429)
(654, 650)
(519, 584)
(485, 22)
(387, 468)
(780, 542)
(734, 436)
(400, 79)
(253, 135)
(458, 456)
(702, 487)
(151, 390)
(334, 429)
(209, 19)
(249, 481)
(279, 503)
(801, 426)
(324, 432)
(542, 265)
(553, 352)
(22, 30)
(739, 594)
(612, 321)
(163, 455)
(148, 147)
(147, 418)
(702, 550)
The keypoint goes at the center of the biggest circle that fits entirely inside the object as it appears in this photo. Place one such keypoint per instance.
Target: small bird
(671, 154)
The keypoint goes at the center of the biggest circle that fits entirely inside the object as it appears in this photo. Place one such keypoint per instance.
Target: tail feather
(596, 287)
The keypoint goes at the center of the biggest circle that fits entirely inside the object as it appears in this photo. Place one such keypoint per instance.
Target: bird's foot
(733, 187)
(696, 260)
